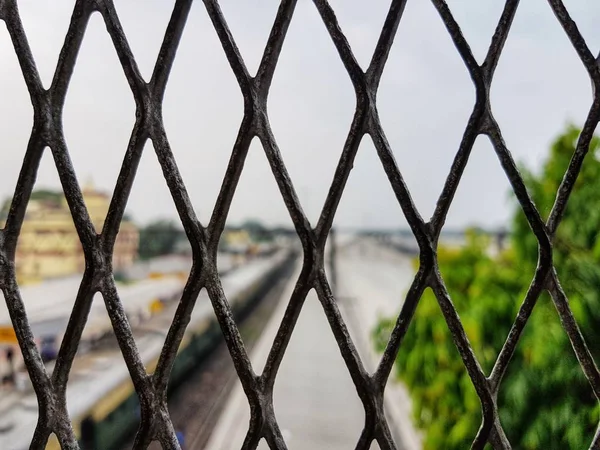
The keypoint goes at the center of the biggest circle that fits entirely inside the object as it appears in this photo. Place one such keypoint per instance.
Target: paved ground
(373, 281)
(314, 397)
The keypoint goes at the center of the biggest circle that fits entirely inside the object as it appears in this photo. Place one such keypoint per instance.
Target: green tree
(258, 232)
(545, 402)
(53, 198)
(159, 238)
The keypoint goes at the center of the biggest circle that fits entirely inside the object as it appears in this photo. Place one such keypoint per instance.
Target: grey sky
(425, 99)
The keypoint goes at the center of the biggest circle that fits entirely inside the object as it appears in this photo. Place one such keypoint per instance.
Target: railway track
(197, 403)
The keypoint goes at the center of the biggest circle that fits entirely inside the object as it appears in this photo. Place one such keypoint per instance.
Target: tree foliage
(545, 401)
(258, 232)
(46, 195)
(53, 198)
(159, 238)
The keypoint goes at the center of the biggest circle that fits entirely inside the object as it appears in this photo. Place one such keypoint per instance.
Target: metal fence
(98, 248)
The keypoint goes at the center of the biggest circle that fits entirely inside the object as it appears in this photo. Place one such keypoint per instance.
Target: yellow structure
(49, 246)
(8, 335)
(237, 238)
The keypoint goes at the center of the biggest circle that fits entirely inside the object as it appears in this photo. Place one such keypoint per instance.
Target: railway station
(100, 396)
(317, 225)
(208, 406)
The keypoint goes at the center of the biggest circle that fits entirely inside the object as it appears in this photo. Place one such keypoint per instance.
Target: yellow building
(49, 246)
(237, 238)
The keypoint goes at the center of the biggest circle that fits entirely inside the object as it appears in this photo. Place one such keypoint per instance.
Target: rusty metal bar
(148, 95)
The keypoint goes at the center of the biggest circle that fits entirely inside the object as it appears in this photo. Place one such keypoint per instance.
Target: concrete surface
(373, 281)
(314, 398)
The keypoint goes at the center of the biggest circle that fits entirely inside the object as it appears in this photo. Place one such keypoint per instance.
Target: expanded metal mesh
(98, 248)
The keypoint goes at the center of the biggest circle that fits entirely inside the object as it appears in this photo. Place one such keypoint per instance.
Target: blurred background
(541, 96)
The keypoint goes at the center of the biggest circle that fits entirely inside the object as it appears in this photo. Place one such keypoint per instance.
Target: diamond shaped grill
(98, 248)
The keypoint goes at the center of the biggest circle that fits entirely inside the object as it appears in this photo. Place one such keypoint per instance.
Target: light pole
(10, 357)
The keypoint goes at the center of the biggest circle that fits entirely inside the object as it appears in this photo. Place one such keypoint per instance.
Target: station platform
(99, 380)
(314, 397)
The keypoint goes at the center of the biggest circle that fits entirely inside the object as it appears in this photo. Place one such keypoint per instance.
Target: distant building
(49, 246)
(236, 240)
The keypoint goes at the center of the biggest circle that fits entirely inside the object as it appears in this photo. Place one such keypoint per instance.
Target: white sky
(424, 100)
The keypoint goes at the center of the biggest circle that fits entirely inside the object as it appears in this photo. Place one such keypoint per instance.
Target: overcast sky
(424, 100)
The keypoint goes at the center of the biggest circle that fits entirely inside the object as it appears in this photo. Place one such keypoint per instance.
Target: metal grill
(98, 248)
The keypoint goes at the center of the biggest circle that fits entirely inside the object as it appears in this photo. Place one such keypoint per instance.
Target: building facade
(49, 246)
